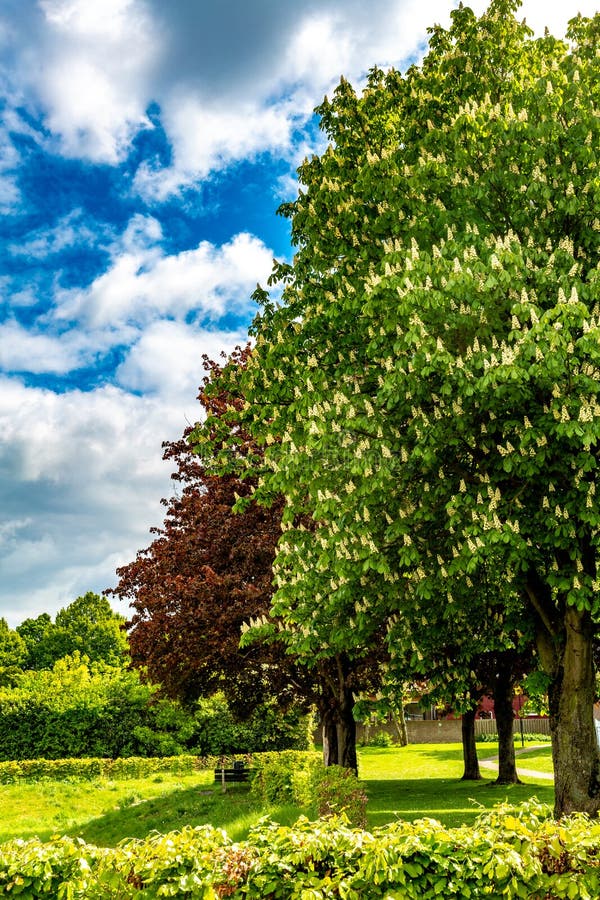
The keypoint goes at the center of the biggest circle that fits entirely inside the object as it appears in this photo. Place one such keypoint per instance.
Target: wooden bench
(238, 773)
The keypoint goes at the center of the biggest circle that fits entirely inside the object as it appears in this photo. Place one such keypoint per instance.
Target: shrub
(79, 709)
(510, 852)
(90, 769)
(339, 792)
(492, 738)
(381, 739)
(216, 730)
(285, 777)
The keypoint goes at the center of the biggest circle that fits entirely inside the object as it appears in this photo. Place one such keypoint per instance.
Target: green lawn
(539, 759)
(408, 783)
(423, 780)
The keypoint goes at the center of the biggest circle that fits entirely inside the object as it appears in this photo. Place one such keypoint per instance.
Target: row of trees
(208, 575)
(427, 391)
(414, 437)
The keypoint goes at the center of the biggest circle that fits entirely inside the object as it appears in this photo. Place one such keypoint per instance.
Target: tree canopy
(206, 573)
(88, 626)
(427, 390)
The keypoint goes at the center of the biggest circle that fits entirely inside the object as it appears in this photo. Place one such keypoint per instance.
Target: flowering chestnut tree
(427, 390)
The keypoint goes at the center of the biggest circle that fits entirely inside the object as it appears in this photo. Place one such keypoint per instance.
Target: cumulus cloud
(82, 476)
(144, 283)
(229, 82)
(93, 74)
(22, 350)
(167, 358)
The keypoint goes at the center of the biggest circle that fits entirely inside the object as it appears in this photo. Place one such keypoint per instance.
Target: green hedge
(492, 738)
(510, 852)
(292, 761)
(82, 710)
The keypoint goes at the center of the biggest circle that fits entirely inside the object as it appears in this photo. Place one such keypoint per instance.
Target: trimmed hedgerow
(292, 762)
(510, 852)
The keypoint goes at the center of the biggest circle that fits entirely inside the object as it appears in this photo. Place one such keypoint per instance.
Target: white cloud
(10, 194)
(87, 65)
(143, 283)
(230, 82)
(71, 230)
(82, 476)
(207, 138)
(167, 359)
(24, 351)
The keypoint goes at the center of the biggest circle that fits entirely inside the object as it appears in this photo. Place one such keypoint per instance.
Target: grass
(422, 780)
(104, 812)
(539, 759)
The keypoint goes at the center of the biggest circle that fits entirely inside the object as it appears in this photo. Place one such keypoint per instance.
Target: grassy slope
(409, 783)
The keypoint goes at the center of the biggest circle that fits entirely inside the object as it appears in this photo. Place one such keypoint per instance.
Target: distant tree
(12, 647)
(34, 633)
(91, 627)
(88, 626)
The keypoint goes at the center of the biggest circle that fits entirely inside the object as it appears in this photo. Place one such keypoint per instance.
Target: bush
(380, 739)
(510, 852)
(79, 709)
(296, 784)
(301, 778)
(285, 777)
(90, 769)
(339, 792)
(492, 738)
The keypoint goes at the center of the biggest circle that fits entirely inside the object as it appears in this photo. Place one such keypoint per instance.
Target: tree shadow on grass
(452, 802)
(235, 811)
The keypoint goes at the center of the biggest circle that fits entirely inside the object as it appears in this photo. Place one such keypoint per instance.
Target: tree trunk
(503, 708)
(330, 737)
(571, 697)
(346, 731)
(400, 723)
(471, 763)
(337, 716)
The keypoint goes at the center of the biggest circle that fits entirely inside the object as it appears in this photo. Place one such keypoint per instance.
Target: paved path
(492, 763)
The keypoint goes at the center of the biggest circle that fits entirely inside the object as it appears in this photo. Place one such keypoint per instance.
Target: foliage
(427, 391)
(87, 626)
(516, 852)
(216, 730)
(402, 784)
(339, 792)
(492, 738)
(379, 739)
(205, 574)
(89, 769)
(285, 777)
(12, 647)
(74, 709)
(79, 709)
(302, 779)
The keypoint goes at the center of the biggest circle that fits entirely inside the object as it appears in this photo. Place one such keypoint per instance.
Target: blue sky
(144, 149)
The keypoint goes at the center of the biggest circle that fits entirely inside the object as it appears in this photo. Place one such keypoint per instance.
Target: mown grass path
(542, 758)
